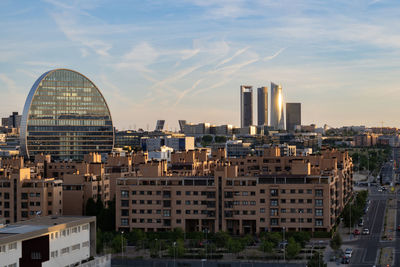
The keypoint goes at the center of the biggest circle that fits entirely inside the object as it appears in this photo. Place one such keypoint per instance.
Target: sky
(186, 59)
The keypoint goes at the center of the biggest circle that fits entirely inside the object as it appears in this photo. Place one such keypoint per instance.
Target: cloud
(237, 53)
(274, 55)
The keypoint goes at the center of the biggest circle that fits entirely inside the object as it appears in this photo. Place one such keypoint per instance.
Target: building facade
(262, 106)
(49, 241)
(66, 116)
(246, 106)
(277, 115)
(293, 116)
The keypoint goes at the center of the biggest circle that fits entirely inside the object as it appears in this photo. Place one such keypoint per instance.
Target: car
(348, 252)
(356, 232)
(398, 227)
(379, 189)
(365, 231)
(361, 222)
(345, 260)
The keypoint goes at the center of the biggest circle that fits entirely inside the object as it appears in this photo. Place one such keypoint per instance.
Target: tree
(234, 246)
(220, 139)
(90, 209)
(136, 237)
(293, 248)
(221, 239)
(317, 260)
(336, 241)
(266, 246)
(116, 244)
(207, 139)
(176, 249)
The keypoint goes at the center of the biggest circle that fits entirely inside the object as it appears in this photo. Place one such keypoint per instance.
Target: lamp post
(284, 244)
(206, 232)
(174, 254)
(122, 244)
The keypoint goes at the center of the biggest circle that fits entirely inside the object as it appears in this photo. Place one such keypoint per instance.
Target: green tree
(207, 139)
(221, 239)
(234, 246)
(220, 139)
(266, 246)
(176, 249)
(116, 243)
(293, 248)
(90, 209)
(336, 241)
(317, 260)
(136, 237)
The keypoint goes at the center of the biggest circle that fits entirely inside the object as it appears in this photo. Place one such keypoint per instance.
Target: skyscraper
(262, 106)
(246, 106)
(293, 115)
(66, 116)
(277, 115)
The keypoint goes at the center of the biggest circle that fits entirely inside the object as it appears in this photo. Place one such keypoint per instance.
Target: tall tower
(262, 106)
(246, 105)
(293, 115)
(277, 116)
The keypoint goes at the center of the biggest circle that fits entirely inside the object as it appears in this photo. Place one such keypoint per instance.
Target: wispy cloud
(274, 55)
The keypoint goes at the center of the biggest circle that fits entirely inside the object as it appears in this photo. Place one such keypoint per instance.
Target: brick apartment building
(241, 195)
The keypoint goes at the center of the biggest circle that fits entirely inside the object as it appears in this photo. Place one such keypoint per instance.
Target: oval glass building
(66, 116)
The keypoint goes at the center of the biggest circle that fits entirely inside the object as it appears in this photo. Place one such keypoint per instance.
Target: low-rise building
(49, 241)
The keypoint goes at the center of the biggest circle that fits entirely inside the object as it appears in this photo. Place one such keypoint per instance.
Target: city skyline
(189, 57)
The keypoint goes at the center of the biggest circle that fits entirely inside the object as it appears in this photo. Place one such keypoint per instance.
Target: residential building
(50, 241)
(245, 195)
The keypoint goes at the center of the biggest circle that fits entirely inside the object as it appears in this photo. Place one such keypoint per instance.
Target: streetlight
(206, 231)
(122, 244)
(284, 244)
(174, 253)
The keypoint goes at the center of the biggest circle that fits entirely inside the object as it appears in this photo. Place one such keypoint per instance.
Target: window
(273, 212)
(274, 221)
(252, 203)
(178, 193)
(85, 227)
(292, 210)
(85, 244)
(187, 193)
(283, 191)
(283, 220)
(178, 221)
(54, 254)
(262, 219)
(178, 202)
(301, 191)
(166, 213)
(274, 192)
(283, 201)
(319, 212)
(309, 191)
(283, 210)
(309, 220)
(292, 220)
(292, 191)
(187, 202)
(149, 193)
(309, 201)
(141, 192)
(12, 246)
(178, 211)
(309, 210)
(245, 203)
(252, 193)
(245, 193)
(262, 210)
(274, 202)
(301, 201)
(36, 256)
(133, 192)
(65, 250)
(75, 247)
(262, 191)
(319, 192)
(319, 202)
(293, 201)
(124, 193)
(301, 210)
(319, 222)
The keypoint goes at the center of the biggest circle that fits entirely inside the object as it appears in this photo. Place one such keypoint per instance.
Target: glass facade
(65, 116)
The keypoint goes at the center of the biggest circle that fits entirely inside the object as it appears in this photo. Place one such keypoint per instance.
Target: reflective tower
(277, 115)
(66, 116)
(246, 106)
(262, 106)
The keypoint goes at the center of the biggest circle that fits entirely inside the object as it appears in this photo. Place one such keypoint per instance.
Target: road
(366, 247)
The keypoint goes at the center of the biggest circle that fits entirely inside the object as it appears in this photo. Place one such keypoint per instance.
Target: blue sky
(185, 59)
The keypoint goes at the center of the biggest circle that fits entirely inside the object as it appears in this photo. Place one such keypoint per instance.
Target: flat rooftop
(40, 225)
